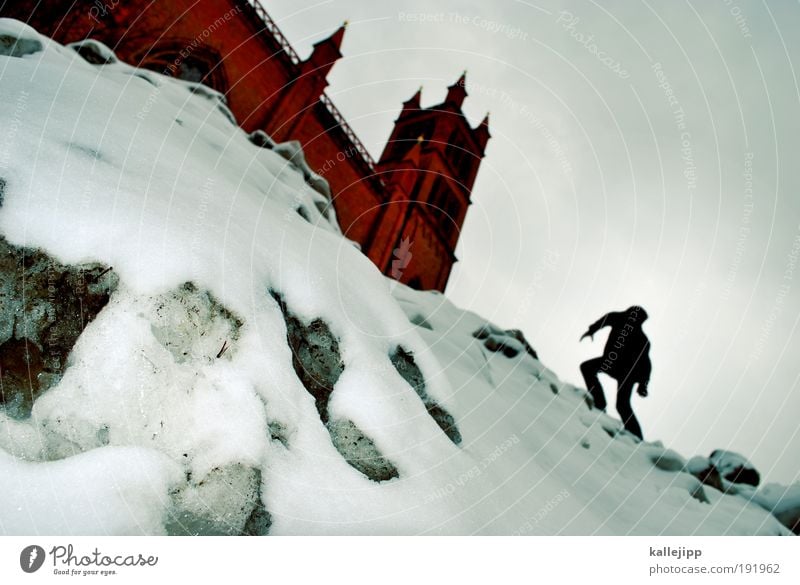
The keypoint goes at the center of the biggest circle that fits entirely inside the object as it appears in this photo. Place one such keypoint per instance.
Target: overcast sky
(642, 153)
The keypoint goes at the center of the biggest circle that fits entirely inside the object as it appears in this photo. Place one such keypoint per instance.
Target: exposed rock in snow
(315, 356)
(510, 342)
(292, 151)
(18, 39)
(226, 501)
(704, 470)
(405, 365)
(94, 52)
(724, 470)
(317, 361)
(734, 467)
(44, 307)
(262, 139)
(193, 325)
(360, 451)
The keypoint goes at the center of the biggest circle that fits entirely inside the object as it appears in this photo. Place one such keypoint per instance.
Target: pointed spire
(414, 102)
(458, 91)
(482, 134)
(336, 37)
(325, 54)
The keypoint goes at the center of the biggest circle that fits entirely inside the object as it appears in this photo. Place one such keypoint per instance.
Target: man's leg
(590, 369)
(624, 391)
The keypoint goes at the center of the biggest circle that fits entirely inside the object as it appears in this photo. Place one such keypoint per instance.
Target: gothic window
(201, 64)
(457, 153)
(443, 203)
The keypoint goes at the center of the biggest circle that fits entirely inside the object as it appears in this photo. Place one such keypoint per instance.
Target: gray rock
(11, 46)
(315, 356)
(404, 363)
(94, 52)
(318, 363)
(227, 501)
(360, 451)
(44, 307)
(510, 342)
(262, 139)
(194, 326)
(734, 467)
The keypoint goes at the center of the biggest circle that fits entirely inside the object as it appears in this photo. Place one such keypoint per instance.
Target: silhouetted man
(625, 358)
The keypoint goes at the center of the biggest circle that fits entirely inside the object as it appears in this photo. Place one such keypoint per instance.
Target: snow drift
(190, 346)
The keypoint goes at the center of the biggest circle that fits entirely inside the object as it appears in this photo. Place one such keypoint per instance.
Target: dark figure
(625, 358)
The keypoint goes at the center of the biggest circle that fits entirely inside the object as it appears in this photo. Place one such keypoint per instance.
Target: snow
(113, 490)
(150, 176)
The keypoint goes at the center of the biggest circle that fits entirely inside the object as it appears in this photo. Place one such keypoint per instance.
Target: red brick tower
(429, 166)
(406, 211)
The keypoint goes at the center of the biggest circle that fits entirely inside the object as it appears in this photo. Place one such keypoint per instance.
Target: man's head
(636, 315)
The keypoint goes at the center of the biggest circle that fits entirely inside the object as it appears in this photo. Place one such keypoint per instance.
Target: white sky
(588, 165)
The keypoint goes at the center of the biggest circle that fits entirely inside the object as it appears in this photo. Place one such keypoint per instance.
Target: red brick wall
(265, 90)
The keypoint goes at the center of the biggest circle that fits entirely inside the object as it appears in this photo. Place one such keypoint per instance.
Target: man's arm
(604, 321)
(644, 377)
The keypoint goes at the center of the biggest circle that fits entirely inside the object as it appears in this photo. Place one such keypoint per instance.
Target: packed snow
(249, 371)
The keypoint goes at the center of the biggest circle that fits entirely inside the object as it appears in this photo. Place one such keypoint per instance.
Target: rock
(419, 320)
(699, 494)
(485, 330)
(704, 470)
(318, 363)
(259, 522)
(724, 470)
(445, 421)
(517, 334)
(18, 40)
(292, 151)
(403, 362)
(44, 307)
(510, 342)
(226, 501)
(509, 347)
(360, 451)
(94, 52)
(734, 467)
(322, 187)
(194, 326)
(277, 432)
(214, 97)
(315, 356)
(262, 139)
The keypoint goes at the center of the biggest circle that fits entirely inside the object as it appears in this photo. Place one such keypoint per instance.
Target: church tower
(429, 166)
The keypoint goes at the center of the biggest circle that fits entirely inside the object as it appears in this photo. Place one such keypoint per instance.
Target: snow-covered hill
(189, 345)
